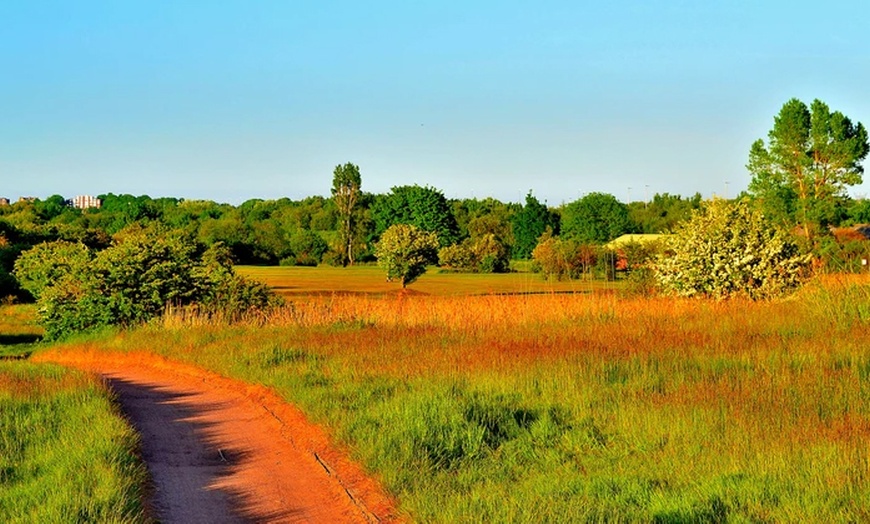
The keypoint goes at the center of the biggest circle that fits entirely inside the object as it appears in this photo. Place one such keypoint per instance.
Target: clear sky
(230, 100)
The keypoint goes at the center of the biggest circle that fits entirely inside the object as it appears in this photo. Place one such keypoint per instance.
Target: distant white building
(85, 202)
(4, 201)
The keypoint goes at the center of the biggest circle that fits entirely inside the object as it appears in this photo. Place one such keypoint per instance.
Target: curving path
(219, 450)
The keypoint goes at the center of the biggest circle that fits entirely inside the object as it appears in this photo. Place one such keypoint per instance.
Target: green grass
(293, 281)
(19, 331)
(65, 454)
(574, 408)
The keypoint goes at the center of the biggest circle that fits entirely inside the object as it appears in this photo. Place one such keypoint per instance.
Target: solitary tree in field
(812, 155)
(346, 182)
(405, 250)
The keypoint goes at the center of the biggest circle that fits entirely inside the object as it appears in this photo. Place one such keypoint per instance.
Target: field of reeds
(571, 407)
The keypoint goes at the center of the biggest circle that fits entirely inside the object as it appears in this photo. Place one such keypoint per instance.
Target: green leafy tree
(730, 249)
(528, 224)
(346, 182)
(811, 156)
(423, 207)
(405, 250)
(50, 262)
(595, 218)
(52, 207)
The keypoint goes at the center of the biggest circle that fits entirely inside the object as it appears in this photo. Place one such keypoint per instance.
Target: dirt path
(219, 450)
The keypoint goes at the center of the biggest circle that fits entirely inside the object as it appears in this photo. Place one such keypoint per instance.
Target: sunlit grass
(18, 330)
(580, 407)
(371, 280)
(65, 454)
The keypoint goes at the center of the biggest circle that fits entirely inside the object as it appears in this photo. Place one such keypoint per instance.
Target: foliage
(663, 212)
(346, 182)
(859, 211)
(405, 250)
(812, 155)
(49, 262)
(308, 247)
(563, 258)
(132, 281)
(484, 254)
(639, 263)
(729, 249)
(595, 218)
(528, 224)
(845, 253)
(423, 207)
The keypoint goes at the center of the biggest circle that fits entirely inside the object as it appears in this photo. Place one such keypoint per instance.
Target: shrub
(485, 255)
(132, 281)
(728, 249)
(558, 258)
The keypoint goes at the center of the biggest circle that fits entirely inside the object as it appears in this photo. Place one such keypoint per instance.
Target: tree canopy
(529, 223)
(595, 218)
(811, 156)
(404, 250)
(423, 207)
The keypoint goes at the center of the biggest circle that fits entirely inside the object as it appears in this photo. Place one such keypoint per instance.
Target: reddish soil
(219, 450)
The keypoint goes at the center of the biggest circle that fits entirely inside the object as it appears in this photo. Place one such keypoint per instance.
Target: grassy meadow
(65, 454)
(473, 406)
(369, 280)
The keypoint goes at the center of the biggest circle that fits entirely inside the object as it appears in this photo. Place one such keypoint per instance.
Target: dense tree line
(311, 231)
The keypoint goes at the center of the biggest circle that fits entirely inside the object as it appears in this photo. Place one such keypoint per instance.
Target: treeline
(306, 232)
(475, 234)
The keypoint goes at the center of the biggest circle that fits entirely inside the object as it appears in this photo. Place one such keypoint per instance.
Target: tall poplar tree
(812, 155)
(346, 183)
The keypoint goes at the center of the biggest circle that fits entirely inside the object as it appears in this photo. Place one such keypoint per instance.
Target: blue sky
(231, 100)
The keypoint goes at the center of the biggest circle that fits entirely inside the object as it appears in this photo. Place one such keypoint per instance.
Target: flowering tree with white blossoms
(728, 249)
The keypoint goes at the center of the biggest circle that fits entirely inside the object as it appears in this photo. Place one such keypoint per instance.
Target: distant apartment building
(85, 202)
(4, 201)
(27, 199)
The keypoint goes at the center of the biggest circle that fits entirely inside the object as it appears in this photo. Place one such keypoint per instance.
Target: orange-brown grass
(574, 407)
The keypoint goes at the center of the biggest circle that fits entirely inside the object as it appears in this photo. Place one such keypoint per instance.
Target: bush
(557, 258)
(132, 281)
(729, 249)
(485, 255)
